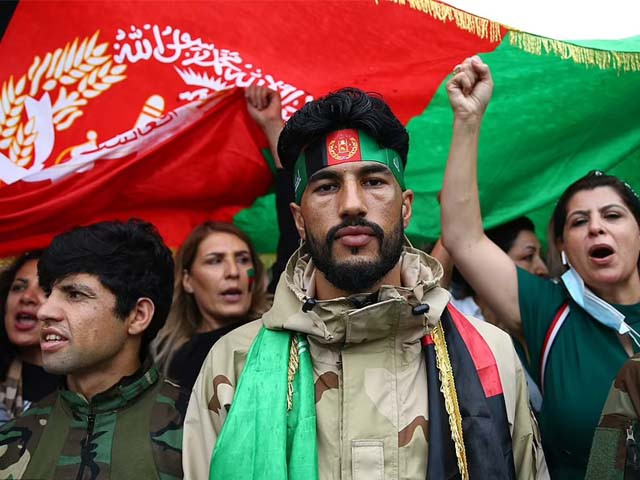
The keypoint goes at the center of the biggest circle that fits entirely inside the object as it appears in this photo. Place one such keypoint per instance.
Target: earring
(563, 256)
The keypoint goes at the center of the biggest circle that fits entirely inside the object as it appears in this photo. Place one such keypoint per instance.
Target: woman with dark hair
(23, 380)
(578, 332)
(218, 286)
(517, 238)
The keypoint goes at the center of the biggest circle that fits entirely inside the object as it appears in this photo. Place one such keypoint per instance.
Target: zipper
(84, 454)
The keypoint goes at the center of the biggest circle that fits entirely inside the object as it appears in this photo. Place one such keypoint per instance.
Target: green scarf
(263, 438)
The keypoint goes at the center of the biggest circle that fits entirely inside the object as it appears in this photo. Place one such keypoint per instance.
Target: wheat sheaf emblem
(74, 74)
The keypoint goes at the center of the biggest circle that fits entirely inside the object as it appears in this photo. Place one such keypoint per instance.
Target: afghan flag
(119, 109)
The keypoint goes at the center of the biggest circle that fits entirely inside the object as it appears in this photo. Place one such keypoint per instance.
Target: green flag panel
(550, 121)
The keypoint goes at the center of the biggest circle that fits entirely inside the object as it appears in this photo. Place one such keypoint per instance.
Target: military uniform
(131, 431)
(370, 377)
(615, 452)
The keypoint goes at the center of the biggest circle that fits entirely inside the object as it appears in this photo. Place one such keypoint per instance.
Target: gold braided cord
(294, 362)
(448, 389)
(468, 22)
(484, 28)
(625, 61)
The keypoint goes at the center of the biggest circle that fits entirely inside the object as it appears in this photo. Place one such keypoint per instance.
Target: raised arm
(489, 271)
(442, 255)
(265, 108)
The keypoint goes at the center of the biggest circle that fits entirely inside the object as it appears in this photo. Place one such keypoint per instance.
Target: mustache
(355, 222)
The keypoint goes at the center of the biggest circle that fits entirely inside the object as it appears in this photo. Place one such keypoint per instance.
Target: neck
(32, 355)
(325, 290)
(209, 324)
(627, 294)
(99, 378)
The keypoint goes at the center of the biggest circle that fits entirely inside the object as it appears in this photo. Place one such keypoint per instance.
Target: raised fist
(470, 88)
(263, 105)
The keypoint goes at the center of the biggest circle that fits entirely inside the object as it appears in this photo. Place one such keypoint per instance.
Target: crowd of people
(120, 360)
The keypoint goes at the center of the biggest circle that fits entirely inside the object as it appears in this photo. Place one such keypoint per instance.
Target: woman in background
(218, 286)
(23, 380)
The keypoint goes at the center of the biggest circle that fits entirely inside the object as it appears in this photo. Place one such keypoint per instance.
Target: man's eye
(374, 182)
(326, 187)
(75, 295)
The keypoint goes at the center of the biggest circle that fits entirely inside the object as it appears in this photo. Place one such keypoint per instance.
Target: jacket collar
(361, 317)
(126, 390)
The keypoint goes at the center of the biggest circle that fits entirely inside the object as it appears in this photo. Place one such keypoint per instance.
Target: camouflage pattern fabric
(369, 376)
(615, 451)
(133, 430)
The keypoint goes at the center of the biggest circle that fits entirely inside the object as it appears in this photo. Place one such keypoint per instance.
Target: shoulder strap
(132, 456)
(47, 453)
(550, 337)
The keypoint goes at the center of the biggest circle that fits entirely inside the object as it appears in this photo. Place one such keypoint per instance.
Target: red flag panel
(88, 90)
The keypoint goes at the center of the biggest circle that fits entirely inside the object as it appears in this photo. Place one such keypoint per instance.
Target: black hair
(504, 236)
(591, 181)
(346, 108)
(130, 260)
(7, 349)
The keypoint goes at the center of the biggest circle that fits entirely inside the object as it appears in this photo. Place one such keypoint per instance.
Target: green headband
(343, 146)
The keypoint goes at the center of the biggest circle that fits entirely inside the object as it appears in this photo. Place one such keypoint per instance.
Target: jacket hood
(365, 316)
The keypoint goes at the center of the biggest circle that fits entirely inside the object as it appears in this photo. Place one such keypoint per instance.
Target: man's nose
(49, 311)
(352, 200)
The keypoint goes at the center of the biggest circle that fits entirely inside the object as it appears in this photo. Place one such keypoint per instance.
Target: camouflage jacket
(369, 374)
(615, 450)
(131, 431)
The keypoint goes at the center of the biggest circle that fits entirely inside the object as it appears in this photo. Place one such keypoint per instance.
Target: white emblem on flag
(297, 181)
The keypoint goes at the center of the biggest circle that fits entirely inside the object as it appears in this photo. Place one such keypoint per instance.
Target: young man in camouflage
(360, 370)
(109, 290)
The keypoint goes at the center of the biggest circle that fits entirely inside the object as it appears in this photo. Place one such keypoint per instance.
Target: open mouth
(52, 341)
(232, 294)
(600, 252)
(26, 321)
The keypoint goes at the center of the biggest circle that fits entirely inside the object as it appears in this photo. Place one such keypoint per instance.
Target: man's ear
(407, 202)
(140, 317)
(296, 211)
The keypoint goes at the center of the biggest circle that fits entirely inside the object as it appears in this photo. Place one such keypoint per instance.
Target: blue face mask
(600, 310)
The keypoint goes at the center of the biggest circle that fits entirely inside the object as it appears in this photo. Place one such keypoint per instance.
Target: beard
(357, 275)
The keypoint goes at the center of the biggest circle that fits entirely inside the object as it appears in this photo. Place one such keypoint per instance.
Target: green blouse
(583, 361)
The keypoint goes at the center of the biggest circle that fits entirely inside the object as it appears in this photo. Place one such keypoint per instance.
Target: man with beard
(360, 370)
